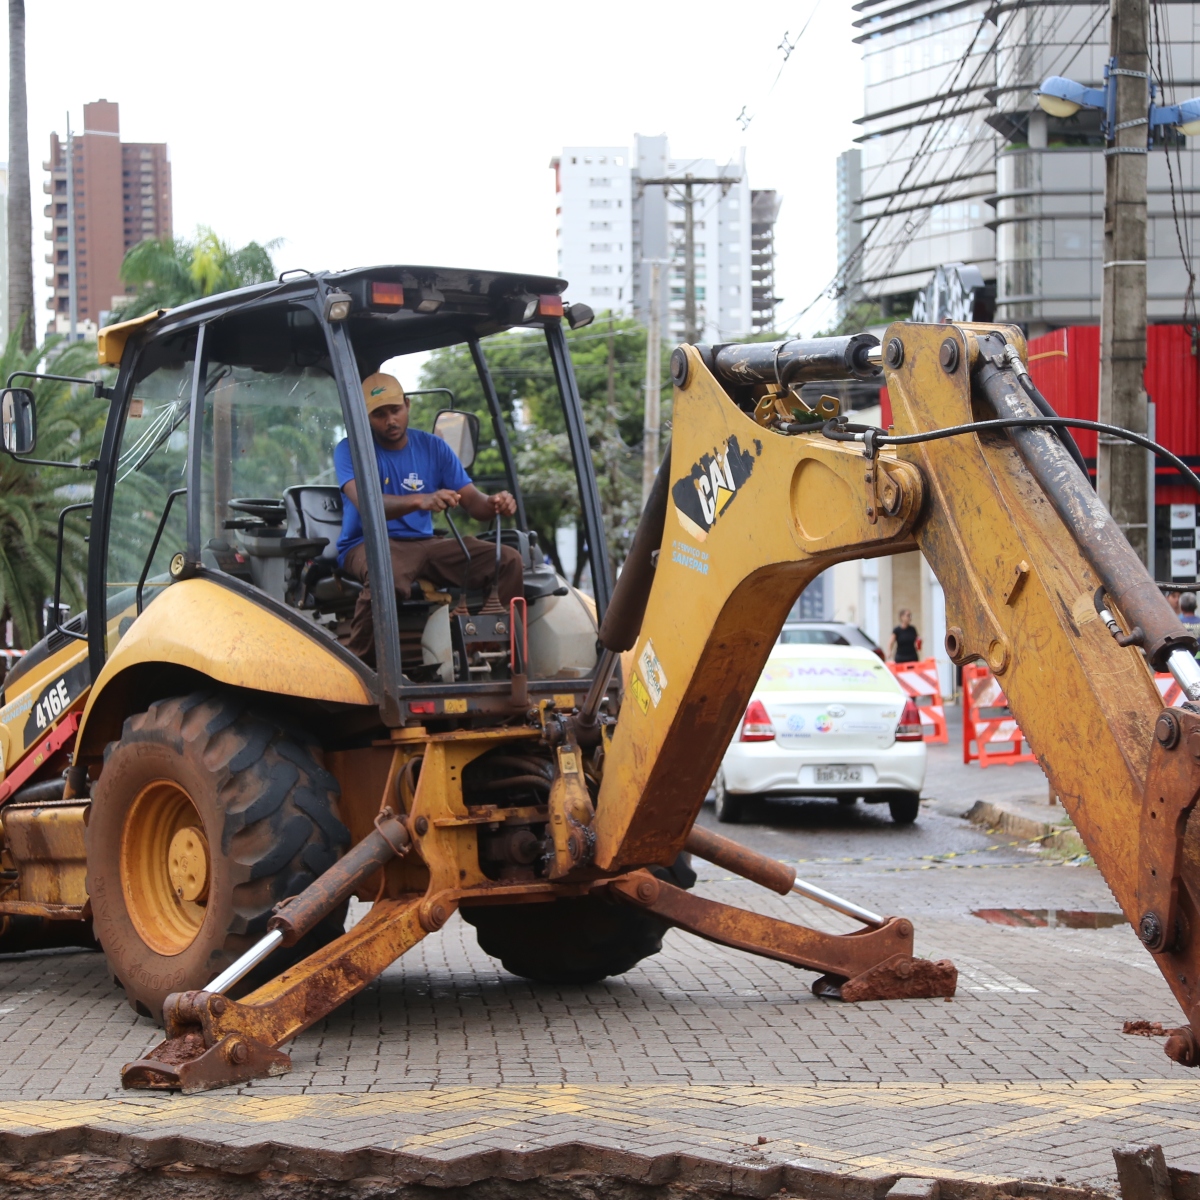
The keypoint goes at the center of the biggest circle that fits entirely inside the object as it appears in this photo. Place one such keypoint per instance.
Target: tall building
(849, 229)
(613, 219)
(122, 197)
(959, 165)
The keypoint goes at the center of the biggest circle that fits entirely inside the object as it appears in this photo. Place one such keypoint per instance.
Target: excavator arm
(748, 511)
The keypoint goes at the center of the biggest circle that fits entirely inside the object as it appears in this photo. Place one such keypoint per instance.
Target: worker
(420, 475)
(905, 640)
(1187, 609)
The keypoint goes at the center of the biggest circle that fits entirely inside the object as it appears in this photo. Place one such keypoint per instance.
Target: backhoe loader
(197, 767)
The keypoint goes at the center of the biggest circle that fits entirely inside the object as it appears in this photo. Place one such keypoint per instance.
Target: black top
(906, 643)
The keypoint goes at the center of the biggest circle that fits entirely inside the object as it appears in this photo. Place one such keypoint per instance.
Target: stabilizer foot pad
(184, 1064)
(897, 978)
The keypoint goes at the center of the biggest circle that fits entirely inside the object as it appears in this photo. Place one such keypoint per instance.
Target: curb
(44, 1159)
(1052, 837)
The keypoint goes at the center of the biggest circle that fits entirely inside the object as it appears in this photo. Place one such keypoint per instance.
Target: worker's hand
(503, 504)
(440, 500)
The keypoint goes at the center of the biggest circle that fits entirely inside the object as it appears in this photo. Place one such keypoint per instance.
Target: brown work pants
(440, 560)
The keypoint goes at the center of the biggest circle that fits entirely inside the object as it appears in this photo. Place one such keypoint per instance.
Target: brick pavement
(699, 1050)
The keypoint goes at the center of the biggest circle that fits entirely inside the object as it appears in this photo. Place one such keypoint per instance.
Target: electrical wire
(838, 430)
(940, 126)
(1166, 82)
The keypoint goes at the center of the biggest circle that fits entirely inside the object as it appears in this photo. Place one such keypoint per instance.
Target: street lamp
(1062, 97)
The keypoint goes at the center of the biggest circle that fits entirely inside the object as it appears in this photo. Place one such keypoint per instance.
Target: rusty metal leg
(212, 1040)
(869, 964)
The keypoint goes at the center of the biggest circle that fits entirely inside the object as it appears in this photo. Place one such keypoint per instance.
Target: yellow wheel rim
(165, 867)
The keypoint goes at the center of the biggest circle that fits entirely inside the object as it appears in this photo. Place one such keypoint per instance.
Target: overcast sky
(365, 131)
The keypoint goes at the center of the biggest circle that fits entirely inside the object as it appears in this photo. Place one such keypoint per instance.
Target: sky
(371, 132)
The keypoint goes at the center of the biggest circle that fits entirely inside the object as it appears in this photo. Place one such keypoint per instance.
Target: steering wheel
(267, 509)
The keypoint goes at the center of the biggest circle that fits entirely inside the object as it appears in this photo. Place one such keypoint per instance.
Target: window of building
(601, 247)
(601, 269)
(599, 181)
(598, 225)
(600, 203)
(601, 291)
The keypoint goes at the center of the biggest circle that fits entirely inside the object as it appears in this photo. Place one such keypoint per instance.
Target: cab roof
(469, 304)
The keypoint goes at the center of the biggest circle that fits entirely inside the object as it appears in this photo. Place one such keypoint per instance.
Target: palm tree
(20, 219)
(69, 427)
(166, 272)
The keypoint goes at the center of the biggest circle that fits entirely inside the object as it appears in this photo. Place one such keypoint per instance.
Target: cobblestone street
(699, 1050)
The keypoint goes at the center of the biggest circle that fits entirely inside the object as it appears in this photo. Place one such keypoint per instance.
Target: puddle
(1049, 918)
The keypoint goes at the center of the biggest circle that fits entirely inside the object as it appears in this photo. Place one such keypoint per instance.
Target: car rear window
(826, 673)
(812, 637)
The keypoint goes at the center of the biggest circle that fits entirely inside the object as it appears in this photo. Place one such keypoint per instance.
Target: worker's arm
(483, 507)
(395, 507)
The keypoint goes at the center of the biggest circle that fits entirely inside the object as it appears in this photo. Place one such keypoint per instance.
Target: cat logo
(710, 487)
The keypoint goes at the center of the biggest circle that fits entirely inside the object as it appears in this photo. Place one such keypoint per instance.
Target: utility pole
(650, 423)
(1122, 477)
(72, 271)
(691, 325)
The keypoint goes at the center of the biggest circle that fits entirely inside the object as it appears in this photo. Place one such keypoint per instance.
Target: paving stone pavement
(700, 1049)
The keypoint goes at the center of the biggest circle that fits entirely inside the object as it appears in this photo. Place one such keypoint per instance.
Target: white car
(826, 721)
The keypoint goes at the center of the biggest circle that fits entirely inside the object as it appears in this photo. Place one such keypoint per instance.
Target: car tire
(262, 814)
(577, 939)
(904, 807)
(729, 808)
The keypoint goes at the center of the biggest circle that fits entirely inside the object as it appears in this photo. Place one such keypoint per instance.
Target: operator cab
(244, 398)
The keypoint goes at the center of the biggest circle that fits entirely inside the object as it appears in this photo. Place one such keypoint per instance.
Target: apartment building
(615, 214)
(122, 196)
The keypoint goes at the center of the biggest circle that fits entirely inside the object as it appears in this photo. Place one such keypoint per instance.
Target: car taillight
(909, 729)
(756, 726)
(880, 653)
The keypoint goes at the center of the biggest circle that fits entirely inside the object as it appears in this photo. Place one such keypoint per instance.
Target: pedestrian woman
(905, 640)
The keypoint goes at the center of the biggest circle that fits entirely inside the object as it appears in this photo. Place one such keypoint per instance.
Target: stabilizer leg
(213, 1041)
(869, 964)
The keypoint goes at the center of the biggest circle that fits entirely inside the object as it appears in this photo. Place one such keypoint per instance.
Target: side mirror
(460, 431)
(18, 420)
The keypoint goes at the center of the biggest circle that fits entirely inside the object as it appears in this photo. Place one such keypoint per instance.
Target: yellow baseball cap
(380, 389)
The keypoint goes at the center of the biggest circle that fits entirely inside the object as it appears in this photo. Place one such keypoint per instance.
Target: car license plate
(839, 774)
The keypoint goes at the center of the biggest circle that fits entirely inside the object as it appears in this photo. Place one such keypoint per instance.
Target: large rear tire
(905, 807)
(207, 813)
(580, 939)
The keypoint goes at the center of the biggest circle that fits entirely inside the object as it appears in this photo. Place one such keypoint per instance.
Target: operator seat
(314, 511)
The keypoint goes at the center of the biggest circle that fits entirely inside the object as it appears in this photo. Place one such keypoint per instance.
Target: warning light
(390, 295)
(424, 707)
(550, 306)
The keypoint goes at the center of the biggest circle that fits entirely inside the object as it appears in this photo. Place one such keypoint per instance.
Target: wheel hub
(165, 868)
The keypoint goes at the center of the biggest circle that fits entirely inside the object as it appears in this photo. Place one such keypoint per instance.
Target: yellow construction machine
(198, 769)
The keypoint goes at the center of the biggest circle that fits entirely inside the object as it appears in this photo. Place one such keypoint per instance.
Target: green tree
(167, 272)
(69, 426)
(609, 358)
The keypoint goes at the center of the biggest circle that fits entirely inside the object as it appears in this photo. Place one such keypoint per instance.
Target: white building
(612, 222)
(4, 251)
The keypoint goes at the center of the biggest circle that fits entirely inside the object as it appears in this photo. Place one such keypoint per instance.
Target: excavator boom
(750, 511)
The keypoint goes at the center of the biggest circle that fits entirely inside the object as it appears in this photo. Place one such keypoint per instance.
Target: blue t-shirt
(425, 465)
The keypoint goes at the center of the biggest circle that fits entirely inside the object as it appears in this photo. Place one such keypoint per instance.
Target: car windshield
(812, 637)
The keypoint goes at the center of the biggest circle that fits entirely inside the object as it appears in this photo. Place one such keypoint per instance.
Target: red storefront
(1065, 365)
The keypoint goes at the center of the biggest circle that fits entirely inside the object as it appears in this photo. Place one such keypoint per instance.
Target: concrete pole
(1121, 474)
(691, 332)
(72, 270)
(650, 423)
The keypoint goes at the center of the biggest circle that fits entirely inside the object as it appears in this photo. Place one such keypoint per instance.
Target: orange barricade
(1170, 691)
(988, 721)
(920, 681)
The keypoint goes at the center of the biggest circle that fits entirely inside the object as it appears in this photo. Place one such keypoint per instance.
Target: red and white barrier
(988, 722)
(1169, 690)
(920, 681)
